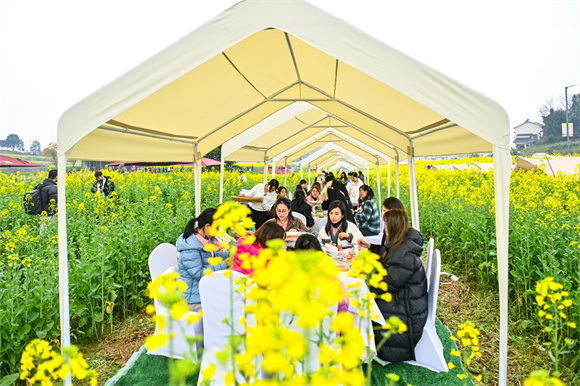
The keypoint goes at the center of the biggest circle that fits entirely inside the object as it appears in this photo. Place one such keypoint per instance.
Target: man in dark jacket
(103, 185)
(407, 283)
(49, 193)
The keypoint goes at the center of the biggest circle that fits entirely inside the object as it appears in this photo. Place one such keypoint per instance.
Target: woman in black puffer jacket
(407, 284)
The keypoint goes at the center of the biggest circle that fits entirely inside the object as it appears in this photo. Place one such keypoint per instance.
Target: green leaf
(9, 379)
(41, 334)
(98, 317)
(24, 330)
(139, 302)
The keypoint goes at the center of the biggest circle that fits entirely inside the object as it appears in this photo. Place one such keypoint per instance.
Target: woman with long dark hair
(193, 258)
(338, 229)
(367, 217)
(268, 231)
(333, 191)
(389, 204)
(283, 217)
(407, 283)
(299, 205)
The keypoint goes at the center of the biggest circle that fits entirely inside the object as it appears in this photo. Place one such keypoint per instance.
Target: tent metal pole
(197, 177)
(501, 175)
(397, 172)
(273, 169)
(63, 260)
(413, 188)
(265, 168)
(285, 170)
(308, 166)
(389, 181)
(222, 179)
(379, 182)
(301, 171)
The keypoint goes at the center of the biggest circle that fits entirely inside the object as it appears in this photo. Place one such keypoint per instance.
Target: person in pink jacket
(268, 231)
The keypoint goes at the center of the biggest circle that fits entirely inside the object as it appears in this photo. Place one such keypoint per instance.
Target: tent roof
(6, 161)
(260, 56)
(280, 132)
(320, 155)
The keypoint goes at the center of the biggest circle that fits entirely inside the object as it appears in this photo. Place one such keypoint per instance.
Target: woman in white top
(338, 229)
(260, 209)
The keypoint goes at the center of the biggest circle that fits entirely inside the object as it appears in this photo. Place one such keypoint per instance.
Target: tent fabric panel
(104, 145)
(246, 155)
(241, 124)
(182, 107)
(315, 66)
(265, 60)
(363, 122)
(432, 89)
(442, 142)
(371, 142)
(381, 101)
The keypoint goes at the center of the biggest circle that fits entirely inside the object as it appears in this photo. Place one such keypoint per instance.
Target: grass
(465, 300)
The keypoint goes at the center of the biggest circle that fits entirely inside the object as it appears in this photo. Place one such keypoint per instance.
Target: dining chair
(179, 331)
(429, 262)
(300, 216)
(162, 257)
(218, 305)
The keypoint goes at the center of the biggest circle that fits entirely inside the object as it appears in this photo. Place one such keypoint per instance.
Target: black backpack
(33, 201)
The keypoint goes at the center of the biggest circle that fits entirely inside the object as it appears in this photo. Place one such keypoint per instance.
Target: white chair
(429, 350)
(177, 346)
(429, 262)
(322, 223)
(300, 216)
(162, 257)
(215, 292)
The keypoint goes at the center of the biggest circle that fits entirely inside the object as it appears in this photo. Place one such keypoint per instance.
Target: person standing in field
(103, 184)
(49, 199)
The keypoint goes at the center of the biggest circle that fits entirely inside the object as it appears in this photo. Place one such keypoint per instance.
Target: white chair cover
(162, 257)
(429, 262)
(300, 216)
(177, 346)
(429, 350)
(322, 223)
(215, 292)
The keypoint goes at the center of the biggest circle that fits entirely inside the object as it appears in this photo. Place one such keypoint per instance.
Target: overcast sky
(54, 53)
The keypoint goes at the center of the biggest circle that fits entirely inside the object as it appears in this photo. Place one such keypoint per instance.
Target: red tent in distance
(6, 161)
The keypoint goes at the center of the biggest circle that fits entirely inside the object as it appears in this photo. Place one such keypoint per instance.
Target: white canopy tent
(253, 60)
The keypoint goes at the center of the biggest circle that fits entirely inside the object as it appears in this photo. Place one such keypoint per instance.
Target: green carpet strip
(152, 370)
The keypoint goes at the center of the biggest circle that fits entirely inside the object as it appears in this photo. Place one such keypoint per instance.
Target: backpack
(33, 201)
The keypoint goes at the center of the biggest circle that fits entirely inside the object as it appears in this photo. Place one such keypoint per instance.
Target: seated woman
(389, 204)
(283, 217)
(332, 191)
(268, 231)
(193, 258)
(300, 206)
(367, 217)
(282, 191)
(267, 193)
(338, 229)
(407, 283)
(314, 195)
(307, 242)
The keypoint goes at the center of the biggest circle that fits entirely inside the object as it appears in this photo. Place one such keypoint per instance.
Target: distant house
(527, 134)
